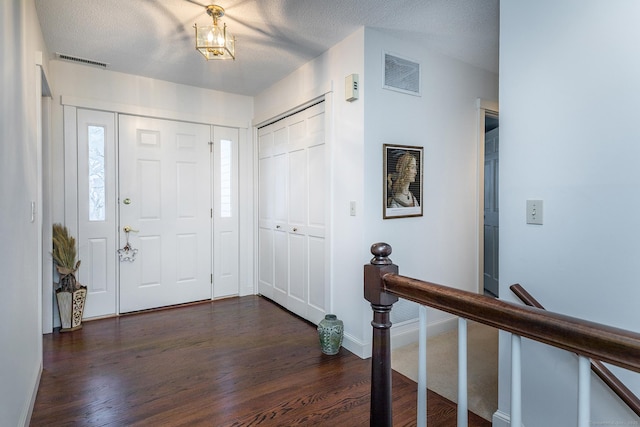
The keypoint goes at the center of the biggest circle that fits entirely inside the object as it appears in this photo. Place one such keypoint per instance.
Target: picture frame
(402, 181)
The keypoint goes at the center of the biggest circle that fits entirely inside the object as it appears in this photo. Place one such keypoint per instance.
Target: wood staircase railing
(383, 285)
(597, 367)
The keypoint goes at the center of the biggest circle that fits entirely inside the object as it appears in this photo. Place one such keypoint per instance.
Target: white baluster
(584, 391)
(422, 368)
(463, 417)
(516, 382)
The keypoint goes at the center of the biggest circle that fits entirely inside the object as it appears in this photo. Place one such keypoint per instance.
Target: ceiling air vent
(401, 74)
(81, 60)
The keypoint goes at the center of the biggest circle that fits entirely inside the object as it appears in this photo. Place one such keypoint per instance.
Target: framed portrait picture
(402, 188)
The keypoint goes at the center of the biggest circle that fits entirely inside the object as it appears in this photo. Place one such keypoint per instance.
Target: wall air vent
(401, 74)
(81, 60)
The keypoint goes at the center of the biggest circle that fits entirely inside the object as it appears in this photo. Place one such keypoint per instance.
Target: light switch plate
(534, 212)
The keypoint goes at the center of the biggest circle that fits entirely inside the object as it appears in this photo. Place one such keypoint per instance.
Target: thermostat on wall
(351, 87)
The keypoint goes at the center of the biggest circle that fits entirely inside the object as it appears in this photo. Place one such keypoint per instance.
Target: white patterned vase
(71, 308)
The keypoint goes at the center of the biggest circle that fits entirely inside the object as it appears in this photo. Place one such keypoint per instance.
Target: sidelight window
(97, 199)
(225, 178)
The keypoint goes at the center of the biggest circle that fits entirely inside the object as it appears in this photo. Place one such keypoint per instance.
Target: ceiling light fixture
(214, 42)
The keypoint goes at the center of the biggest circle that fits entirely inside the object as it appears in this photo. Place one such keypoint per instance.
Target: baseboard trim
(501, 419)
(357, 347)
(401, 334)
(34, 393)
(406, 333)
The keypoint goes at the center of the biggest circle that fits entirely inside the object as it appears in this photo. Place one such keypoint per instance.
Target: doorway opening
(491, 216)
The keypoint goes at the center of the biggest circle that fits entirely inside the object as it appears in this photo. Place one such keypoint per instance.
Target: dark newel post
(381, 414)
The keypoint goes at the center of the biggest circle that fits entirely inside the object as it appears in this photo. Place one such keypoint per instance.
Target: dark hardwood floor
(235, 362)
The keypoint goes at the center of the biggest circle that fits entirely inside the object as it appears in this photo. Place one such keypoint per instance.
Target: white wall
(20, 323)
(569, 135)
(441, 246)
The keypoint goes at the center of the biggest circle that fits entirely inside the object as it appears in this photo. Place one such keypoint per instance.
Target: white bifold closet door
(292, 259)
(165, 198)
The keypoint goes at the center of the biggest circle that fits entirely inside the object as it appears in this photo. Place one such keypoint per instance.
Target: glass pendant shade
(214, 42)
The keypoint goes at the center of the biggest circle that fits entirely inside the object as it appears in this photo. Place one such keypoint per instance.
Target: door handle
(128, 253)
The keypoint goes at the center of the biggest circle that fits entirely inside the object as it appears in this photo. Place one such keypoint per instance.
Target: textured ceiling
(155, 38)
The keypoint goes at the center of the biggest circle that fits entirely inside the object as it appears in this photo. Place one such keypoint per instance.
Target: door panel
(265, 215)
(297, 274)
(279, 201)
(265, 262)
(165, 175)
(96, 187)
(292, 203)
(298, 191)
(150, 273)
(281, 267)
(317, 292)
(226, 277)
(317, 179)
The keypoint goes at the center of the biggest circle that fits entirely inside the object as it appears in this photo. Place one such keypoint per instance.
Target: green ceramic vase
(330, 333)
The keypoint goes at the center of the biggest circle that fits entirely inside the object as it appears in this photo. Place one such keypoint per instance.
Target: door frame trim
(484, 107)
(156, 113)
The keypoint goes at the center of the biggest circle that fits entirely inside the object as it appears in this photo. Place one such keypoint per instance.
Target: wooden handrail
(383, 285)
(597, 367)
(608, 344)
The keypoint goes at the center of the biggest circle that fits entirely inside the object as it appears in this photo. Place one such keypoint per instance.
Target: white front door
(165, 199)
